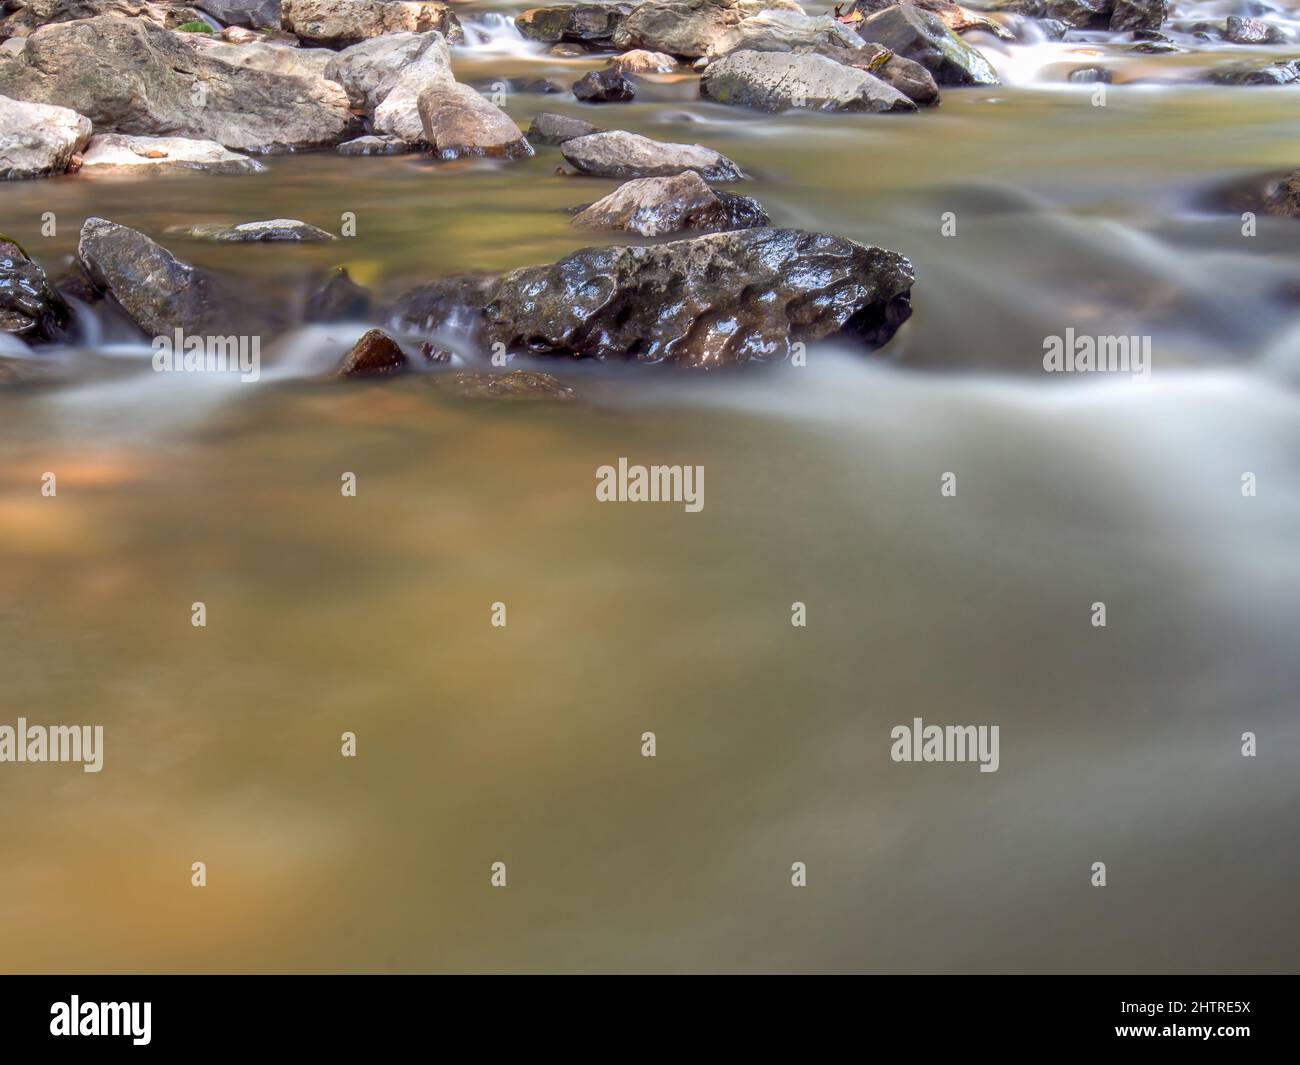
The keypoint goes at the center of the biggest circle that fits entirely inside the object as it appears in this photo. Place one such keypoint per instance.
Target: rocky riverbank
(710, 278)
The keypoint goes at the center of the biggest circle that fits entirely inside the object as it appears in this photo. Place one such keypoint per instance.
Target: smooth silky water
(478, 744)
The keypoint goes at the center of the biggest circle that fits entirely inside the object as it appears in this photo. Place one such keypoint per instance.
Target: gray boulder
(778, 81)
(556, 129)
(618, 154)
(711, 301)
(372, 145)
(922, 37)
(273, 229)
(786, 31)
(258, 14)
(130, 76)
(658, 206)
(38, 140)
(905, 75)
(369, 71)
(124, 151)
(589, 24)
(338, 23)
(687, 28)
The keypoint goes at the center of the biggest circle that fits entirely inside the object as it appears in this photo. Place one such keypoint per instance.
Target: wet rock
(369, 71)
(259, 14)
(604, 87)
(922, 37)
(1139, 14)
(1053, 29)
(905, 75)
(787, 31)
(778, 81)
(1091, 75)
(587, 24)
(458, 122)
(711, 301)
(339, 299)
(30, 308)
(1271, 72)
(659, 206)
(373, 145)
(618, 154)
(431, 353)
(450, 304)
(542, 86)
(1252, 31)
(123, 151)
(686, 28)
(38, 140)
(957, 18)
(565, 50)
(639, 61)
(1081, 13)
(158, 292)
(556, 129)
(517, 385)
(1155, 48)
(274, 229)
(130, 76)
(339, 23)
(376, 354)
(1283, 197)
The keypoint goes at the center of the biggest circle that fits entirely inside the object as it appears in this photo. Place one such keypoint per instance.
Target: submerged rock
(1081, 13)
(556, 129)
(450, 304)
(373, 145)
(1252, 31)
(376, 354)
(639, 61)
(338, 23)
(515, 385)
(659, 206)
(38, 140)
(274, 229)
(158, 292)
(604, 87)
(778, 81)
(130, 76)
(619, 154)
(459, 122)
(921, 36)
(716, 300)
(30, 307)
(1270, 72)
(112, 151)
(339, 299)
(1283, 197)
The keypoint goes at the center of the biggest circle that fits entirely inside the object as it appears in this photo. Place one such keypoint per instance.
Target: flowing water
(522, 744)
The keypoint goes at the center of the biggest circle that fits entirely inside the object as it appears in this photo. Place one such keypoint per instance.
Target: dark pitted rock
(1252, 31)
(556, 129)
(711, 301)
(433, 354)
(376, 354)
(274, 229)
(1139, 14)
(30, 307)
(259, 14)
(659, 206)
(618, 154)
(1270, 72)
(339, 23)
(39, 140)
(639, 61)
(458, 122)
(779, 81)
(905, 75)
(604, 87)
(156, 290)
(526, 385)
(339, 299)
(922, 37)
(373, 145)
(588, 24)
(687, 28)
(131, 76)
(1081, 13)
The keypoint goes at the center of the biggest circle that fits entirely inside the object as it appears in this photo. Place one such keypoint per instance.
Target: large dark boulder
(30, 308)
(716, 300)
